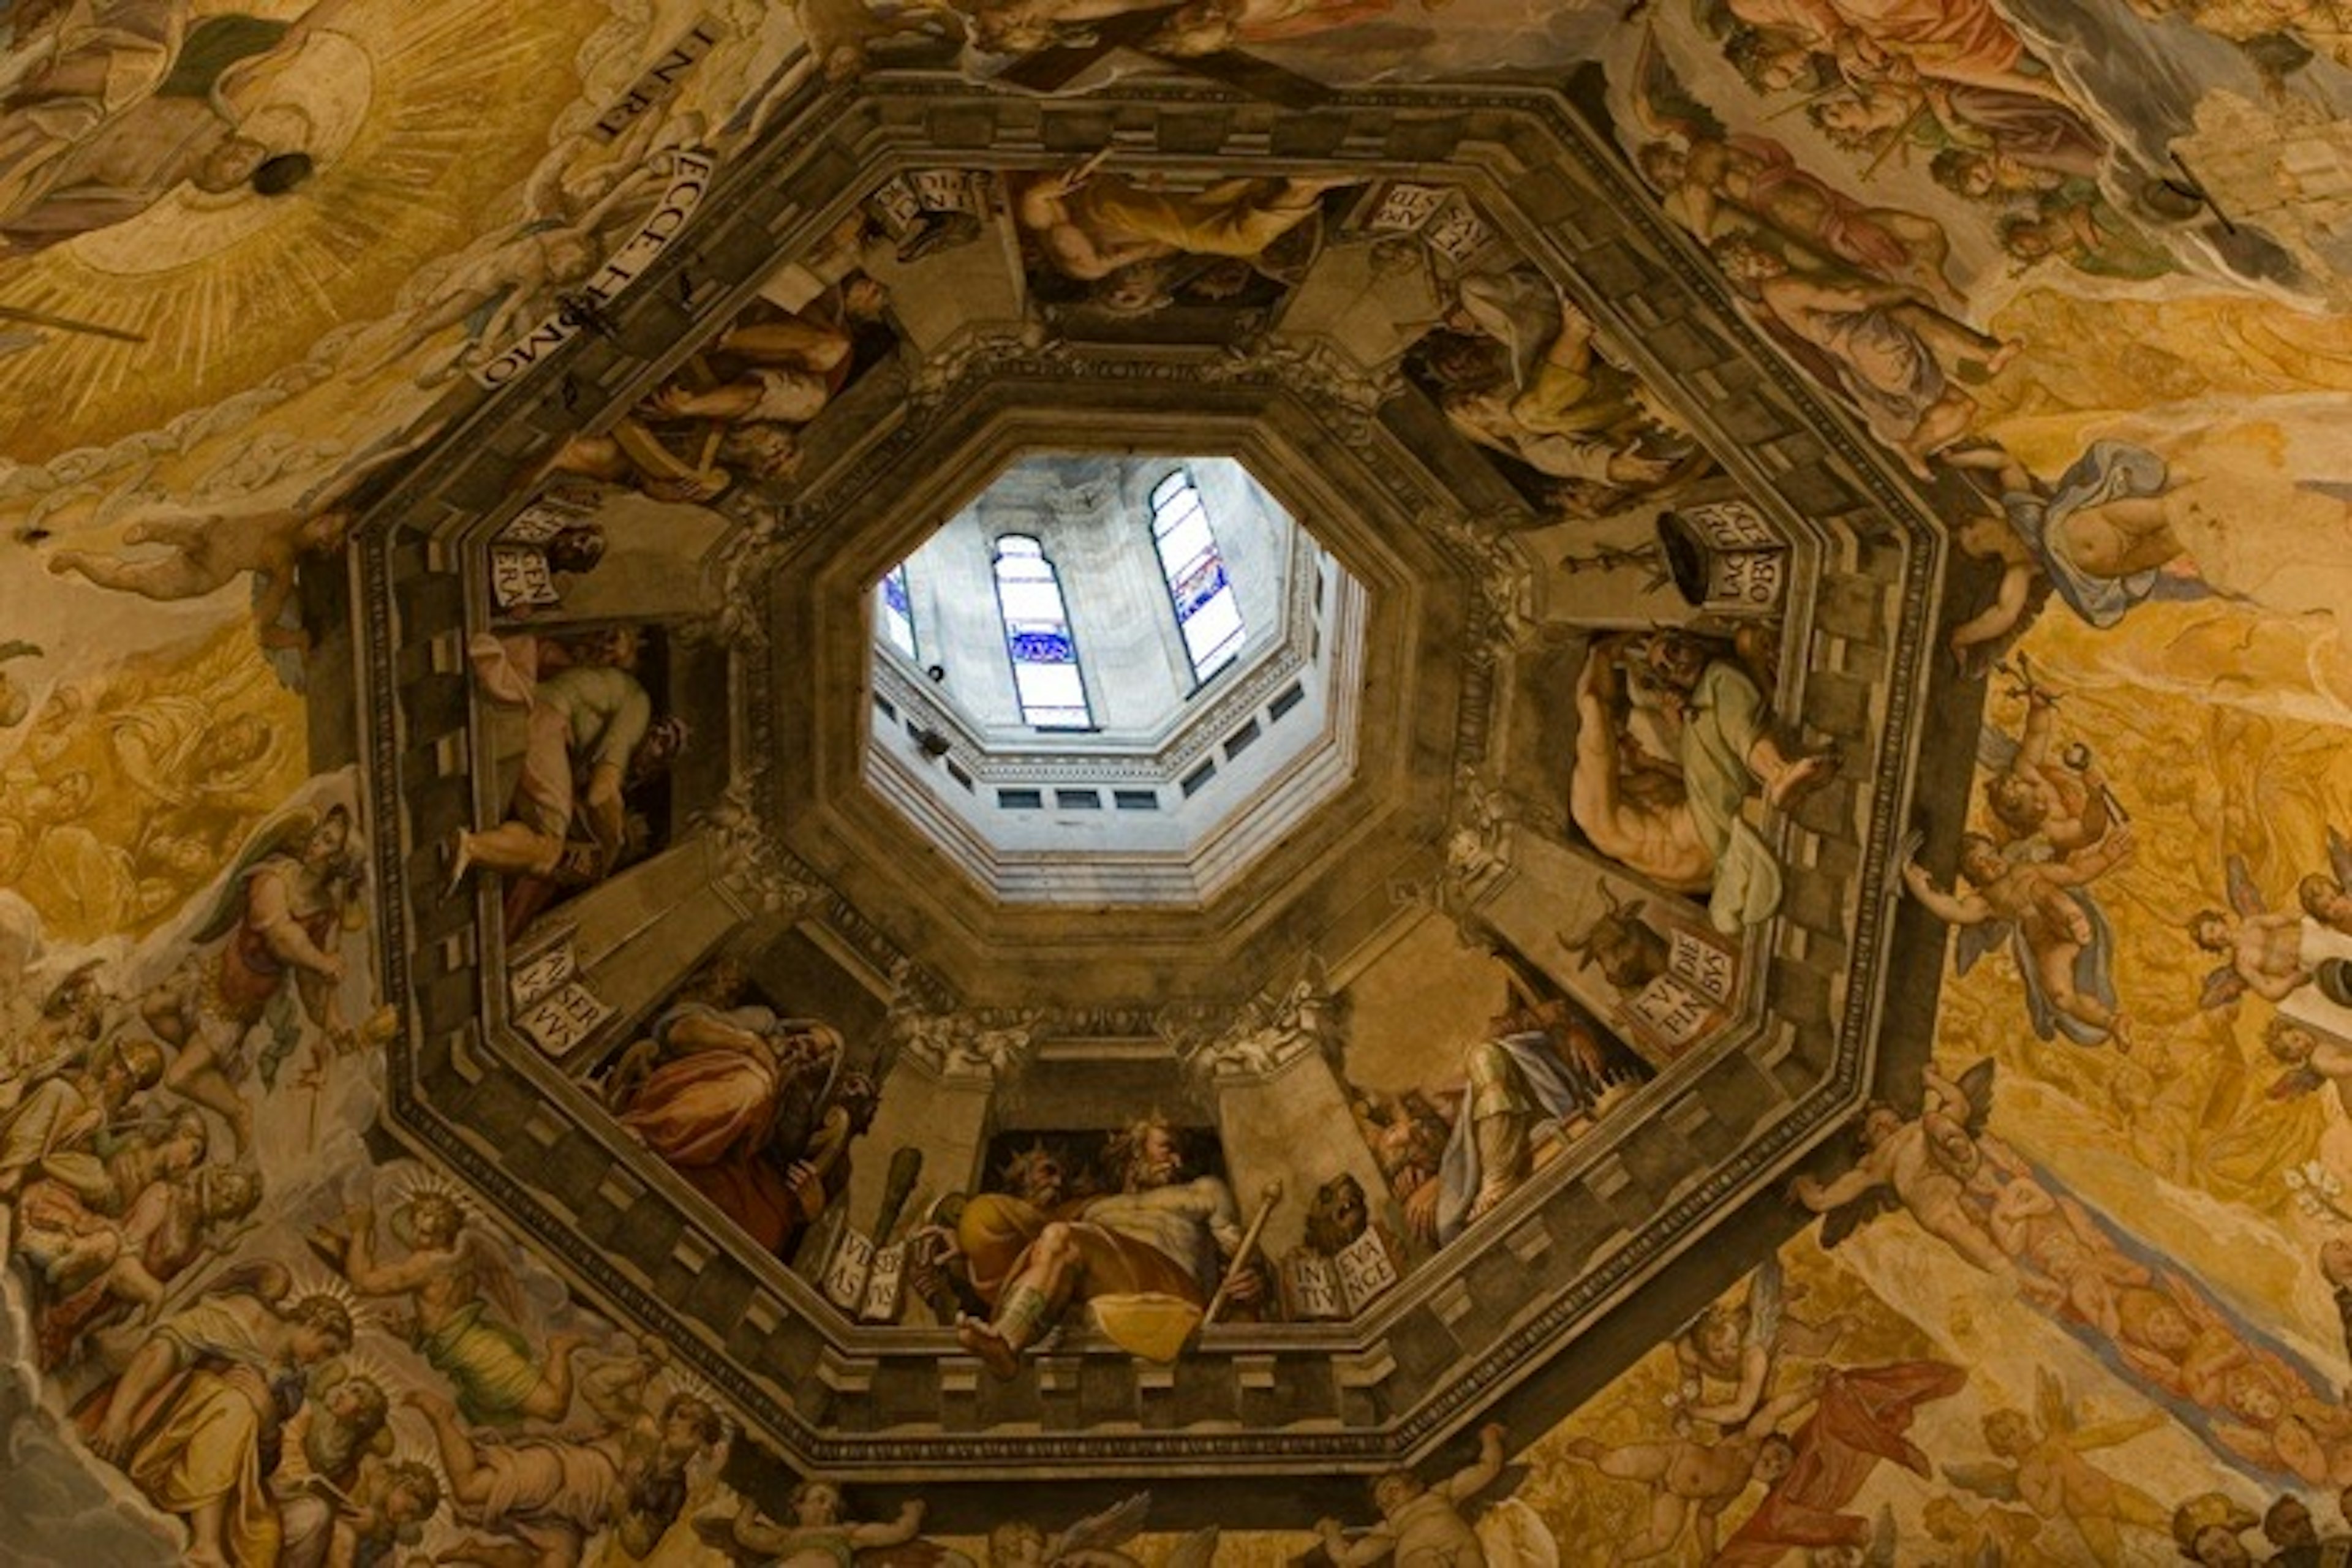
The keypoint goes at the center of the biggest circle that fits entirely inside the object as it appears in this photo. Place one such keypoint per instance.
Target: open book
(1319, 1288)
(1441, 214)
(866, 1281)
(1689, 998)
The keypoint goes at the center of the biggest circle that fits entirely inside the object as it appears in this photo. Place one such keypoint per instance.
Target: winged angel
(2275, 953)
(2038, 1462)
(1922, 1165)
(465, 1304)
(1742, 1346)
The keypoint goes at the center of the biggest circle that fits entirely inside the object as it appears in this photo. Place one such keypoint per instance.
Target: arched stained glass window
(1207, 612)
(895, 608)
(1037, 634)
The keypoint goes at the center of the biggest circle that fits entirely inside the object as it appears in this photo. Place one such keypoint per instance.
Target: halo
(309, 1281)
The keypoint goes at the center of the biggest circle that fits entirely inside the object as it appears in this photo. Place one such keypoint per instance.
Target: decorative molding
(1265, 1036)
(983, 1047)
(771, 881)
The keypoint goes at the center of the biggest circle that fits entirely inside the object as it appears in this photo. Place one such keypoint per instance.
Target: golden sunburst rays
(309, 1279)
(363, 1362)
(460, 98)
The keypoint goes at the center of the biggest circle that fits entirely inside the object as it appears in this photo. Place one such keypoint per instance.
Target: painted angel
(275, 961)
(2053, 802)
(2325, 896)
(1862, 1419)
(1923, 1166)
(2272, 954)
(2312, 1059)
(2057, 933)
(2038, 1460)
(1742, 1345)
(464, 1302)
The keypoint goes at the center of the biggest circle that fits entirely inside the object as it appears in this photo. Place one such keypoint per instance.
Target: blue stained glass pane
(1203, 583)
(1198, 586)
(898, 613)
(1037, 636)
(1042, 647)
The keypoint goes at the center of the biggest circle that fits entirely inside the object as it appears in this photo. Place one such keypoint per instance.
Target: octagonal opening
(1114, 678)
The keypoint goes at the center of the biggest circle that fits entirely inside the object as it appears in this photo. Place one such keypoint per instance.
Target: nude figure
(1922, 1163)
(2264, 951)
(1692, 1482)
(2039, 898)
(2062, 800)
(206, 551)
(1420, 1526)
(2052, 1477)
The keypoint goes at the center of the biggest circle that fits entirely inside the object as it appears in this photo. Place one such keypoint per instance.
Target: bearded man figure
(1034, 1251)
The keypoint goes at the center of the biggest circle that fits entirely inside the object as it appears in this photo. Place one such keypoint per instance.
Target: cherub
(2272, 1417)
(206, 551)
(2063, 802)
(2102, 537)
(2268, 952)
(2325, 896)
(1741, 1345)
(1092, 1542)
(819, 1536)
(2061, 939)
(1691, 1482)
(2174, 1338)
(2042, 1467)
(1986, 1539)
(2062, 1257)
(1422, 1525)
(454, 1276)
(2311, 1058)
(1922, 1165)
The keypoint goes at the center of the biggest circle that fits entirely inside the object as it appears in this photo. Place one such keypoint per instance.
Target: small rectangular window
(890, 710)
(959, 776)
(1289, 697)
(1077, 800)
(1021, 799)
(1199, 776)
(1241, 740)
(1136, 799)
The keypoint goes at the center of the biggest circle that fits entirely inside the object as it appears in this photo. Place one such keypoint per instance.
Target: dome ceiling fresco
(1751, 961)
